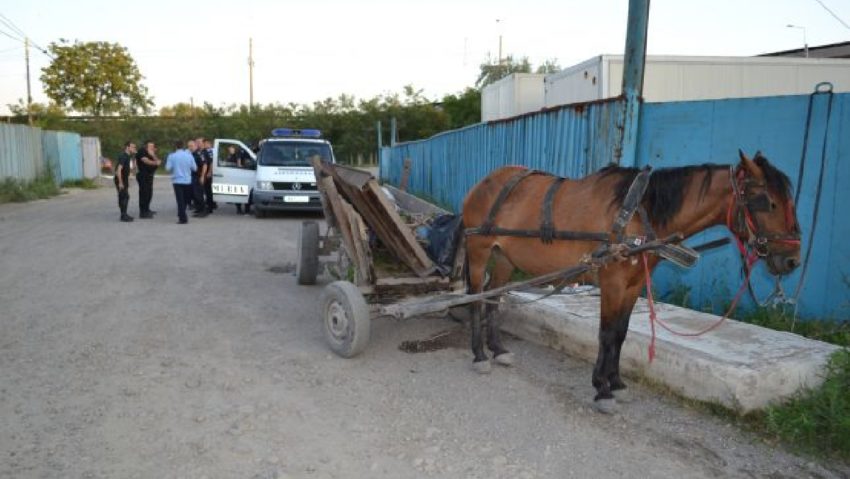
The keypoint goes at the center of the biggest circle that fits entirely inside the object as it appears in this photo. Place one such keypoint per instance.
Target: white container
(678, 78)
(513, 95)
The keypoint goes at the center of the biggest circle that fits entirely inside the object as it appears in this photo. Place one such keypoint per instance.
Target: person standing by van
(121, 179)
(147, 163)
(198, 175)
(207, 153)
(182, 166)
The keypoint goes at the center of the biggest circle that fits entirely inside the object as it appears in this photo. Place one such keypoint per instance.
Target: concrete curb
(738, 365)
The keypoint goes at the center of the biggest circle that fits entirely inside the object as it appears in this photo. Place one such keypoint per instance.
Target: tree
(96, 78)
(37, 109)
(463, 108)
(549, 66)
(492, 72)
(183, 110)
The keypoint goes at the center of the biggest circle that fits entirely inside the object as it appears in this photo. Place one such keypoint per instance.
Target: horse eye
(772, 206)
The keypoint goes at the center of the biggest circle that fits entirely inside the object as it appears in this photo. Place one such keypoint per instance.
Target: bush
(818, 420)
(84, 183)
(18, 191)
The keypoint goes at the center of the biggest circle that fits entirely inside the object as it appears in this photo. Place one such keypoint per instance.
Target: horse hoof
(605, 406)
(623, 395)
(505, 359)
(481, 367)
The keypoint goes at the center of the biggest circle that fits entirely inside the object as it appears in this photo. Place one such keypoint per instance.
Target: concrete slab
(741, 366)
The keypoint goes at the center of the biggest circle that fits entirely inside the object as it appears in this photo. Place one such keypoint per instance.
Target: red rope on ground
(653, 317)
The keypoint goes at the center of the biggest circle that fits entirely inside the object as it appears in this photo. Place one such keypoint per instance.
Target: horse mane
(775, 180)
(665, 193)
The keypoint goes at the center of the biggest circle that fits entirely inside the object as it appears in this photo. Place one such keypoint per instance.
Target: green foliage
(835, 332)
(18, 191)
(99, 78)
(463, 108)
(349, 123)
(549, 66)
(679, 295)
(495, 71)
(50, 110)
(818, 420)
(84, 183)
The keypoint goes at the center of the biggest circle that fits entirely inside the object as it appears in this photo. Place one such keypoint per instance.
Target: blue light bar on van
(304, 132)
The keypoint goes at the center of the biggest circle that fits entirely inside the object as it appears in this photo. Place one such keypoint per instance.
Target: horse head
(762, 213)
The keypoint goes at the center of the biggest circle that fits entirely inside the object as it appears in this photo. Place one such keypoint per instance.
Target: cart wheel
(346, 318)
(308, 253)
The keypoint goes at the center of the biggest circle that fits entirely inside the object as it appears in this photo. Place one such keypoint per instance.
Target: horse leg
(621, 329)
(476, 266)
(616, 308)
(499, 276)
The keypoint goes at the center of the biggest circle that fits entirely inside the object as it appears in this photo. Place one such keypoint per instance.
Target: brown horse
(752, 198)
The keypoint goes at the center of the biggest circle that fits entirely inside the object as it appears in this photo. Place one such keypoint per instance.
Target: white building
(666, 78)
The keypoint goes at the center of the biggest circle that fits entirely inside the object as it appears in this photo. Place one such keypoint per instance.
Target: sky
(306, 51)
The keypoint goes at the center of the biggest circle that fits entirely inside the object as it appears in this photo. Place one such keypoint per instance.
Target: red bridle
(740, 205)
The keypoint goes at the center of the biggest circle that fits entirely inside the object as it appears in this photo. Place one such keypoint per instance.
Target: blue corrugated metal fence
(20, 152)
(573, 141)
(27, 152)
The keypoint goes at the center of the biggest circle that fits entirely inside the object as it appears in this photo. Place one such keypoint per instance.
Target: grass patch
(84, 183)
(18, 191)
(818, 420)
(835, 332)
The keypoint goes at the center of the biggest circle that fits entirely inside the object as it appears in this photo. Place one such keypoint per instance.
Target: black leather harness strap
(487, 226)
(547, 223)
(556, 235)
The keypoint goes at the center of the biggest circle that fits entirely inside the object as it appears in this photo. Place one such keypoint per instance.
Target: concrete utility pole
(250, 74)
(633, 66)
(29, 91)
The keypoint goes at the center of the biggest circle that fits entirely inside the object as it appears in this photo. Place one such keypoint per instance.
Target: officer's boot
(122, 203)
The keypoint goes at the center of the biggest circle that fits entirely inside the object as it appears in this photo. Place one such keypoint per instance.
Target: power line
(12, 36)
(834, 15)
(16, 30)
(12, 25)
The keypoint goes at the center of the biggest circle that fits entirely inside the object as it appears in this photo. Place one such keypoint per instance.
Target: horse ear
(750, 166)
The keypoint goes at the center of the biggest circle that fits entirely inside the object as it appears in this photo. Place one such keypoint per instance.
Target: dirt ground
(156, 350)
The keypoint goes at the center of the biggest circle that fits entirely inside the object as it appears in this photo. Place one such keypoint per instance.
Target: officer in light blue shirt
(181, 164)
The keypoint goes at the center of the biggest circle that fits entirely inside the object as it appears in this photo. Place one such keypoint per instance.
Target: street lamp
(805, 42)
(498, 22)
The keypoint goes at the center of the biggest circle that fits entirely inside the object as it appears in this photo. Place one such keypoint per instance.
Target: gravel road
(156, 350)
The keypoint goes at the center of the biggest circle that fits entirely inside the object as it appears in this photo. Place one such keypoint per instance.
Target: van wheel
(307, 267)
(259, 212)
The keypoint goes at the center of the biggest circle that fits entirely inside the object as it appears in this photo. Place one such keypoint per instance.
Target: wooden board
(363, 193)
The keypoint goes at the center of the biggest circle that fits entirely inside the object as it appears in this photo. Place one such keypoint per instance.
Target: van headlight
(264, 185)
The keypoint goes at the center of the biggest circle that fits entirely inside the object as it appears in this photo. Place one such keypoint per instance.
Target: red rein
(751, 258)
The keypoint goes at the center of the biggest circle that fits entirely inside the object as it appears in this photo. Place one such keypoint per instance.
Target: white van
(279, 177)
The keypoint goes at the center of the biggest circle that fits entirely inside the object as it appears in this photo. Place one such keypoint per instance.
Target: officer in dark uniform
(147, 163)
(121, 178)
(197, 180)
(207, 153)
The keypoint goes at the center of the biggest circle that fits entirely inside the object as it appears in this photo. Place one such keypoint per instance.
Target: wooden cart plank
(364, 194)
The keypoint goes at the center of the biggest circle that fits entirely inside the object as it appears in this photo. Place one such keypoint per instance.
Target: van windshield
(292, 153)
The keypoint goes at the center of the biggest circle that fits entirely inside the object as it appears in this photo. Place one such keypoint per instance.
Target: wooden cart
(381, 268)
(371, 249)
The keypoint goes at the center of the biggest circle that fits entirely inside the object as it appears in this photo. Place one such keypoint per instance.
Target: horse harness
(547, 232)
(743, 223)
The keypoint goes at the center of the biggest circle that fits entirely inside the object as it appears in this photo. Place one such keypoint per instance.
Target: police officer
(198, 177)
(121, 178)
(207, 153)
(147, 163)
